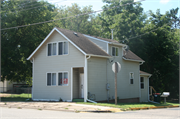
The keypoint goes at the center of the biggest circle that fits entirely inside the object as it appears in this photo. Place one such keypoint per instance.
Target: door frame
(81, 90)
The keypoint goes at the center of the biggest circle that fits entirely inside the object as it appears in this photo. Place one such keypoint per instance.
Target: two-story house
(70, 65)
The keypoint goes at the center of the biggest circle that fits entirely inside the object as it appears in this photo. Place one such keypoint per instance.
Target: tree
(83, 23)
(160, 50)
(126, 21)
(19, 43)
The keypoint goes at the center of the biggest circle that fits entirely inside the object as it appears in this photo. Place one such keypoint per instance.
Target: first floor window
(131, 78)
(114, 51)
(51, 49)
(51, 79)
(62, 78)
(142, 82)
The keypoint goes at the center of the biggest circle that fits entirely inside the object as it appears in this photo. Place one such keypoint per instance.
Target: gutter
(117, 44)
(134, 60)
(99, 56)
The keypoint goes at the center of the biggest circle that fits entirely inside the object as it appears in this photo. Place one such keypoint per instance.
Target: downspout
(140, 81)
(86, 78)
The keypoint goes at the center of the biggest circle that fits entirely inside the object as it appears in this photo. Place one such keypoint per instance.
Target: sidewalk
(59, 106)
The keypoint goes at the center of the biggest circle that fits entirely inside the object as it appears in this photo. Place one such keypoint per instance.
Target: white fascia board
(48, 37)
(41, 44)
(99, 56)
(95, 38)
(146, 75)
(118, 44)
(132, 60)
(70, 41)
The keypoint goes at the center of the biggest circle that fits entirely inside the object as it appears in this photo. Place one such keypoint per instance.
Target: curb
(155, 107)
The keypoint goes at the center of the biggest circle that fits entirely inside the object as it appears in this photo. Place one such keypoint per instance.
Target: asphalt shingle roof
(83, 43)
(142, 72)
(130, 55)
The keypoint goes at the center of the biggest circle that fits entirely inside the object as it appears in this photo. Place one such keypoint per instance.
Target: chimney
(112, 34)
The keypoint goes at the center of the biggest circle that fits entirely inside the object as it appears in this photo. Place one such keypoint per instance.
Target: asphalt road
(14, 113)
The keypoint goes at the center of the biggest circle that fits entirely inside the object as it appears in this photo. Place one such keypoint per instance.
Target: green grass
(16, 97)
(128, 105)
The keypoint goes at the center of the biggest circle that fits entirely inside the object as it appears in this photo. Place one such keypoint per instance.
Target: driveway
(58, 106)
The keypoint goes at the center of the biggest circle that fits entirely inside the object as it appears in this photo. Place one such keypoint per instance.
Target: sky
(163, 5)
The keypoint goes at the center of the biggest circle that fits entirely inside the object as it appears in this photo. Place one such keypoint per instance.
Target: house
(69, 65)
(10, 86)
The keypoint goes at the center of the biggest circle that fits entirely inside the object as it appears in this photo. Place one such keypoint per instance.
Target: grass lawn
(16, 97)
(125, 106)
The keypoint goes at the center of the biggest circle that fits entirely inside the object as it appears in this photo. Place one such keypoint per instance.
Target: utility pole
(116, 70)
(0, 40)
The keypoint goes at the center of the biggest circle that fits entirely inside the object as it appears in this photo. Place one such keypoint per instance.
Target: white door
(82, 85)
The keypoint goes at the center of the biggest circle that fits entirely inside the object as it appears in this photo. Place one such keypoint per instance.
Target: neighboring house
(71, 65)
(8, 86)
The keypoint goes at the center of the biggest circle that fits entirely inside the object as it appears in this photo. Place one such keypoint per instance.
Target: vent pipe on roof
(112, 34)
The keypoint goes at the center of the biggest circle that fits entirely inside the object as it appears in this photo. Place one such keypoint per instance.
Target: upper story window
(131, 75)
(142, 82)
(63, 48)
(60, 48)
(52, 49)
(114, 51)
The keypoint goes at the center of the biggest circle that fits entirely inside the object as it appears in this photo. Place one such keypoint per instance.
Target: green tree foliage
(126, 21)
(83, 23)
(160, 50)
(19, 43)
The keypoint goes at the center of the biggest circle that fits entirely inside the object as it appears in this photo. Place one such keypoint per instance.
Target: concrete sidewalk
(58, 106)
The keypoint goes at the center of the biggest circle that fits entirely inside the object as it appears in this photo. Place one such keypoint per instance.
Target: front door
(81, 85)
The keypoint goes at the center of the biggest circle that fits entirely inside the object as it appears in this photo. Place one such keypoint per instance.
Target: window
(62, 78)
(131, 78)
(51, 49)
(142, 82)
(63, 48)
(114, 51)
(51, 79)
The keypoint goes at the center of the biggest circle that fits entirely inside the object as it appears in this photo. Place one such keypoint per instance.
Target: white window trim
(51, 79)
(57, 48)
(143, 83)
(115, 51)
(130, 78)
(63, 48)
(58, 77)
(47, 49)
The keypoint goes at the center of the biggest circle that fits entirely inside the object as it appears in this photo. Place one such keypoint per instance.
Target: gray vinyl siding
(102, 45)
(100, 73)
(44, 64)
(97, 77)
(144, 92)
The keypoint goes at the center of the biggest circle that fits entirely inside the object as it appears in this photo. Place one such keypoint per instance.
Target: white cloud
(164, 1)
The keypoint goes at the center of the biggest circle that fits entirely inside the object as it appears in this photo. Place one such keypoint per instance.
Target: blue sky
(163, 5)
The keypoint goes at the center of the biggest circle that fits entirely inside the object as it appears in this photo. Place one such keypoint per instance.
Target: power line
(32, 7)
(147, 32)
(70, 16)
(20, 5)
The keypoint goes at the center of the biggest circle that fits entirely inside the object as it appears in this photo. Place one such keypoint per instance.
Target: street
(15, 113)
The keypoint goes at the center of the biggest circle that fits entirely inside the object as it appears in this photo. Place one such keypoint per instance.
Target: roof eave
(142, 61)
(99, 56)
(117, 44)
(41, 44)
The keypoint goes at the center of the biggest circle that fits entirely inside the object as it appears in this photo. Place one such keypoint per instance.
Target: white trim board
(48, 37)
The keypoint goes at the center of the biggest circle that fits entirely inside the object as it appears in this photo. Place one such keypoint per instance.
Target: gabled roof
(129, 55)
(144, 73)
(110, 41)
(82, 43)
